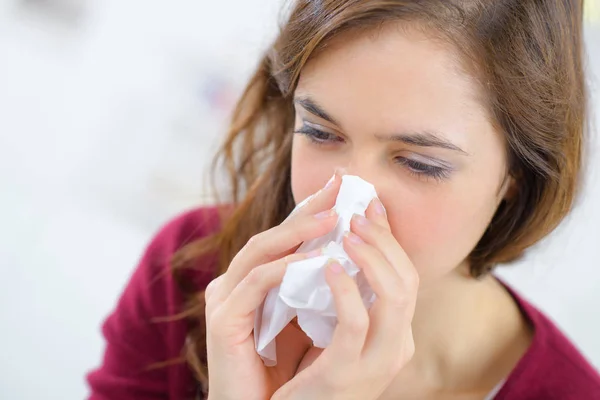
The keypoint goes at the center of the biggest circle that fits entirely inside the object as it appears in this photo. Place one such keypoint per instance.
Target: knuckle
(345, 292)
(399, 300)
(207, 293)
(380, 230)
(290, 258)
(254, 276)
(394, 367)
(255, 240)
(357, 325)
(208, 303)
(258, 243)
(377, 232)
(214, 321)
(212, 287)
(336, 381)
(411, 281)
(297, 235)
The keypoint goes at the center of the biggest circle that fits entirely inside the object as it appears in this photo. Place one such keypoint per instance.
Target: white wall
(108, 111)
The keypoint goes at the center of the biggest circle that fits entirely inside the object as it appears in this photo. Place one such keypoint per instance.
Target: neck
(469, 334)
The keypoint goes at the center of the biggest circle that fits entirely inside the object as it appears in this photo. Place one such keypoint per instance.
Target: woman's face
(394, 109)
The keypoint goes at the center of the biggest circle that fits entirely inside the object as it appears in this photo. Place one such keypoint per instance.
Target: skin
(433, 332)
(399, 82)
(368, 348)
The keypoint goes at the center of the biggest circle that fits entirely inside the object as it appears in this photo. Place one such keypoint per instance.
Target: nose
(363, 169)
(375, 169)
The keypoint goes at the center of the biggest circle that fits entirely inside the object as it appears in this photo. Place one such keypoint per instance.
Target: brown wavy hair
(527, 56)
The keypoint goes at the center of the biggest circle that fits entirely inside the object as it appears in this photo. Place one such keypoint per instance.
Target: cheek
(439, 230)
(437, 226)
(309, 172)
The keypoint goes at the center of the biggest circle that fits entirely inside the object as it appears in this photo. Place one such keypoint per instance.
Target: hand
(368, 348)
(235, 370)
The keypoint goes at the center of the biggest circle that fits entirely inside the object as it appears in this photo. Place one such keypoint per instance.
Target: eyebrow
(427, 138)
(314, 108)
(422, 139)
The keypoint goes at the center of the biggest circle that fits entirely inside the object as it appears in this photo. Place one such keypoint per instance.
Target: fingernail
(379, 208)
(340, 171)
(314, 253)
(325, 214)
(354, 238)
(335, 267)
(360, 220)
(330, 182)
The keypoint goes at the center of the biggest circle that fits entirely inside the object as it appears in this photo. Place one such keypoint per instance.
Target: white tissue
(304, 292)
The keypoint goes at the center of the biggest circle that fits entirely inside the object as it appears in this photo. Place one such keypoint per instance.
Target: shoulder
(552, 368)
(153, 277)
(183, 229)
(178, 232)
(154, 271)
(143, 330)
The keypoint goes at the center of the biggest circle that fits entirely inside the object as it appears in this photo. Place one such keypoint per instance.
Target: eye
(318, 136)
(424, 170)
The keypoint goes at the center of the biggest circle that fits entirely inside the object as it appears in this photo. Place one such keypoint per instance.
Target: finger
(380, 275)
(389, 344)
(211, 287)
(396, 291)
(273, 244)
(391, 313)
(381, 245)
(250, 292)
(376, 212)
(352, 320)
(382, 239)
(323, 200)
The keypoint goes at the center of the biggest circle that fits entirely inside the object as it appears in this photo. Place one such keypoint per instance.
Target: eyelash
(317, 136)
(416, 168)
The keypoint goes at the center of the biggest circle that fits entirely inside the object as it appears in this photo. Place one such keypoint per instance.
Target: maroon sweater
(551, 369)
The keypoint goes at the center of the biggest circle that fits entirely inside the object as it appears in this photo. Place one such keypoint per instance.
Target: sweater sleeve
(136, 338)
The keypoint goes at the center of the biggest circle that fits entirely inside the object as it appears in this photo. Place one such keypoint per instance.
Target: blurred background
(109, 112)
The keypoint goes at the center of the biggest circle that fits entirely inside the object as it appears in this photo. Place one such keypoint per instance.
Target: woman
(468, 117)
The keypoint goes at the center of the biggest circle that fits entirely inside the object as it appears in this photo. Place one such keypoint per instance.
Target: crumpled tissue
(304, 291)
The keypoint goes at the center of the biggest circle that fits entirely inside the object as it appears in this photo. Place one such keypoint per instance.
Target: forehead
(397, 51)
(394, 76)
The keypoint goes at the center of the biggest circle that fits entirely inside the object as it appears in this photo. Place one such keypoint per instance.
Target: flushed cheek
(436, 235)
